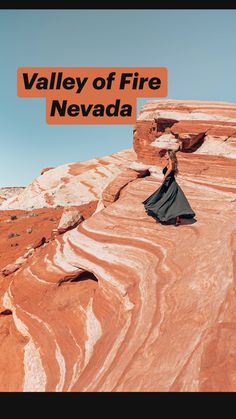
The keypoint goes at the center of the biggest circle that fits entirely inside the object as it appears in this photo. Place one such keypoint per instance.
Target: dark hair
(162, 152)
(173, 157)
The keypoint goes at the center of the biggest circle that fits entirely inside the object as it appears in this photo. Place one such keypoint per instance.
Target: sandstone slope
(123, 303)
(71, 184)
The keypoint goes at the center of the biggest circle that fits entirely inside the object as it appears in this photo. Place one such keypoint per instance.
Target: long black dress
(168, 201)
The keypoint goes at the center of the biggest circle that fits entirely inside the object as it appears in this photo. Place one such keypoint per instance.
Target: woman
(169, 201)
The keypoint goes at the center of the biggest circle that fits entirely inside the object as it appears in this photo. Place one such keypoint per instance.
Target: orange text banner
(91, 95)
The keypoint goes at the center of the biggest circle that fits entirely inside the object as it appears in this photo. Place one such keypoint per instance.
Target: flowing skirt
(168, 202)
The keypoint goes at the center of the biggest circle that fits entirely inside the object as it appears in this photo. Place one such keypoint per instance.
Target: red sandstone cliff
(199, 128)
(122, 303)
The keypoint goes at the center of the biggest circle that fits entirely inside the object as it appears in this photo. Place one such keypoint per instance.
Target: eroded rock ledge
(186, 126)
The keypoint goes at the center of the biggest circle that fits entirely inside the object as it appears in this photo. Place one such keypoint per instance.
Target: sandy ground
(30, 226)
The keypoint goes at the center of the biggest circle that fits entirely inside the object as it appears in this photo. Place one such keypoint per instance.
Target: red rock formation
(122, 303)
(196, 126)
(75, 184)
(46, 169)
(9, 192)
(12, 267)
(112, 192)
(159, 291)
(70, 218)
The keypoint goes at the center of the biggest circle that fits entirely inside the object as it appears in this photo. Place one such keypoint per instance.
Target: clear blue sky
(197, 47)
